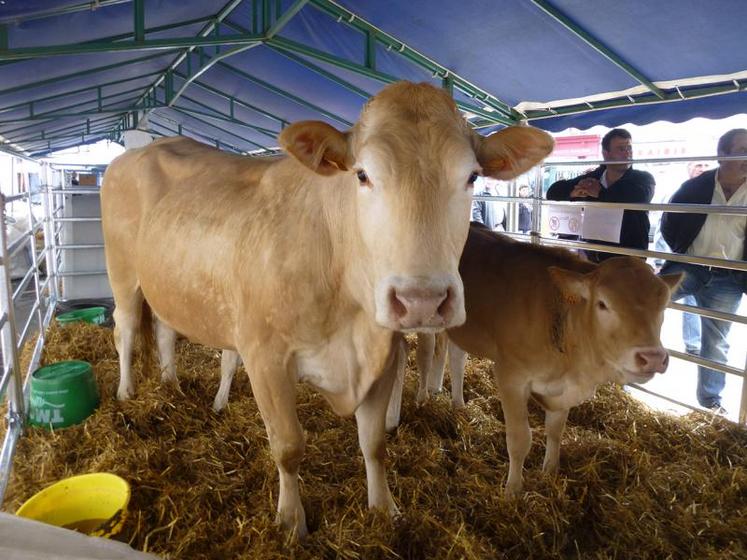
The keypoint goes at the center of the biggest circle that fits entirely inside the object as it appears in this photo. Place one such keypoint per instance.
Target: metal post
(537, 204)
(49, 243)
(35, 264)
(9, 338)
(743, 400)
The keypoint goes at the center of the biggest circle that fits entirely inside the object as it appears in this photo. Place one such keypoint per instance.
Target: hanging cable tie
(401, 47)
(589, 105)
(630, 98)
(389, 47)
(736, 84)
(339, 18)
(679, 92)
(352, 18)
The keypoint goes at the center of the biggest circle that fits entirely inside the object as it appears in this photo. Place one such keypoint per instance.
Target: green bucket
(62, 394)
(95, 315)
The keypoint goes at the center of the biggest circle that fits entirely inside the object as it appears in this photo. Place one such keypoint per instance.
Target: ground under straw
(632, 483)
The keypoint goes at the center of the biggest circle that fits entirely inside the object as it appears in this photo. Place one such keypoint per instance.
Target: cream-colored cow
(306, 266)
(556, 327)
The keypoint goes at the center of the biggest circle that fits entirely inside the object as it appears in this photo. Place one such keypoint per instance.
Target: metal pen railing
(13, 381)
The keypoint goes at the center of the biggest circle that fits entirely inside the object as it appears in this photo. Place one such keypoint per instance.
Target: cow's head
(622, 306)
(411, 162)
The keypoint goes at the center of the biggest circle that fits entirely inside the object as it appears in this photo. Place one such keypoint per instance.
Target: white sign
(602, 224)
(565, 219)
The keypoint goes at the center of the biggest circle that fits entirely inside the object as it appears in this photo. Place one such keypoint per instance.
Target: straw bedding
(632, 483)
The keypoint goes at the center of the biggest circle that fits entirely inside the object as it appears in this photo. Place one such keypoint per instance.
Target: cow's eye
(602, 306)
(472, 178)
(362, 177)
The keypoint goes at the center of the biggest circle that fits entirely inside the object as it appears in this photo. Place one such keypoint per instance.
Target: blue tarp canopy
(233, 73)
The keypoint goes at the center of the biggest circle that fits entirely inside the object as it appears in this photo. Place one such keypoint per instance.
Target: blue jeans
(720, 290)
(691, 328)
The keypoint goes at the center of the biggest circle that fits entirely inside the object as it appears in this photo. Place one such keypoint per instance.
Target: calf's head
(410, 164)
(621, 311)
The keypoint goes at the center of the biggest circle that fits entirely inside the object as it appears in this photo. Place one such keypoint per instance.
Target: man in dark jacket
(712, 235)
(614, 182)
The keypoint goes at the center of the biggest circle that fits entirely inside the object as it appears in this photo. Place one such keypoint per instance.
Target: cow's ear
(574, 286)
(317, 145)
(673, 280)
(512, 151)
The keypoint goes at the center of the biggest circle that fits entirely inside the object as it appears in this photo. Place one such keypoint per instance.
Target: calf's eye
(362, 177)
(472, 178)
(602, 306)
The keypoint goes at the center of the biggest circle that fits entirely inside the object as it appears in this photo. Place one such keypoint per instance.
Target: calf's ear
(512, 151)
(574, 286)
(317, 145)
(673, 280)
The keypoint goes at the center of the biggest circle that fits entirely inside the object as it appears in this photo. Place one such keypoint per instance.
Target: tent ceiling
(233, 73)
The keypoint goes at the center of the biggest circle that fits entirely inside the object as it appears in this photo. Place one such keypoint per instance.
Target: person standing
(487, 212)
(712, 235)
(525, 210)
(613, 182)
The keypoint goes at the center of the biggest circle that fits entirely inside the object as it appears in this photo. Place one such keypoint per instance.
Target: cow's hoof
(125, 393)
(219, 404)
(421, 397)
(457, 404)
(512, 491)
(294, 525)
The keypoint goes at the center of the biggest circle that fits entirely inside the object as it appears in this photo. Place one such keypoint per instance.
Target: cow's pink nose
(652, 360)
(419, 307)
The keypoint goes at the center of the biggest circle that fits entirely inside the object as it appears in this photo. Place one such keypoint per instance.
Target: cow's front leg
(229, 361)
(275, 393)
(518, 435)
(424, 359)
(370, 416)
(554, 426)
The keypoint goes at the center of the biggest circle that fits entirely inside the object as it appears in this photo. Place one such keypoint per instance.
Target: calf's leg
(554, 426)
(229, 362)
(518, 434)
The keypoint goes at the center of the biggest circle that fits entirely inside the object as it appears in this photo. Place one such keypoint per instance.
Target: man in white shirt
(712, 235)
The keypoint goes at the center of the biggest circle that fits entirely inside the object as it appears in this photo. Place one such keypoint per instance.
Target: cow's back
(513, 306)
(162, 208)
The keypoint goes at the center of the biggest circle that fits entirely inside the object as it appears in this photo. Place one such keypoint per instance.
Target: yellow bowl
(94, 504)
